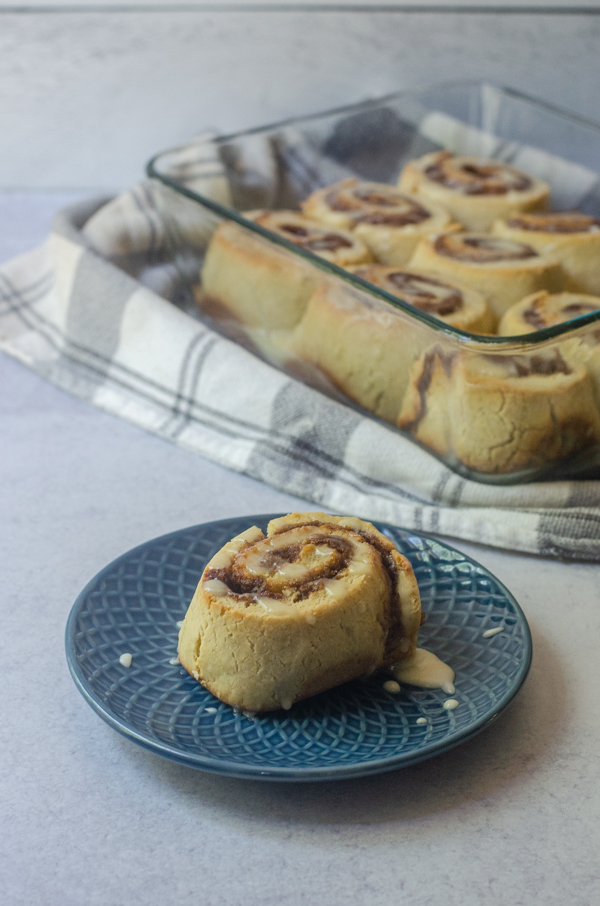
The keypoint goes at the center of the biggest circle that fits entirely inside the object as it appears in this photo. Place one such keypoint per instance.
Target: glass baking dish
(500, 409)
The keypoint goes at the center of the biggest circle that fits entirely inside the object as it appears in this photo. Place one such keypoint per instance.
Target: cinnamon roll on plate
(389, 222)
(366, 348)
(261, 285)
(318, 601)
(571, 238)
(503, 270)
(476, 191)
(499, 414)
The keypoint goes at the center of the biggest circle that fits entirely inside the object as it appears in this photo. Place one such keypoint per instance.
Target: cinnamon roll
(500, 414)
(364, 348)
(318, 601)
(453, 303)
(476, 191)
(571, 238)
(541, 310)
(389, 222)
(262, 285)
(503, 270)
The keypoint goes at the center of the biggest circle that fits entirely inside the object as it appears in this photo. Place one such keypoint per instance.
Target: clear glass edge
(473, 341)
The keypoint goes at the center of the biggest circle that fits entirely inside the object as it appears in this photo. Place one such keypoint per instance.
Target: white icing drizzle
(491, 632)
(211, 710)
(335, 587)
(422, 720)
(125, 659)
(174, 660)
(179, 624)
(275, 605)
(360, 565)
(392, 686)
(223, 559)
(250, 535)
(450, 704)
(288, 570)
(254, 562)
(216, 587)
(425, 669)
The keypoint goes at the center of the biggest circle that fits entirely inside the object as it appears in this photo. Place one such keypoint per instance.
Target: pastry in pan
(262, 285)
(503, 270)
(570, 237)
(388, 221)
(318, 601)
(500, 413)
(476, 191)
(453, 303)
(543, 309)
(365, 347)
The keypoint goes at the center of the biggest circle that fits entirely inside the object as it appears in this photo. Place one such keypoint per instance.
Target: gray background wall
(88, 93)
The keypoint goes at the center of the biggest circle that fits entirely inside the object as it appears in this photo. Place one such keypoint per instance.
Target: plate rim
(227, 768)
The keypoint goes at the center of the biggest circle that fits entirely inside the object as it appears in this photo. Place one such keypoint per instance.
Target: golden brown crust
(318, 601)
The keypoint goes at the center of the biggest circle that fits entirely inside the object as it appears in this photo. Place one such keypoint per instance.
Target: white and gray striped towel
(100, 333)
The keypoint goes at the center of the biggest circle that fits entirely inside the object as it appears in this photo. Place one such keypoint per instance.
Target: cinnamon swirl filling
(526, 366)
(555, 222)
(376, 204)
(476, 176)
(288, 566)
(477, 248)
(334, 243)
(314, 239)
(538, 316)
(425, 293)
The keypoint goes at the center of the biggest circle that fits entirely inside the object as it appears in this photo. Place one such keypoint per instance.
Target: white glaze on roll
(426, 670)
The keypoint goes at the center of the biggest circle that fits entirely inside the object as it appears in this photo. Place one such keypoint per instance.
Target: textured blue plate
(133, 606)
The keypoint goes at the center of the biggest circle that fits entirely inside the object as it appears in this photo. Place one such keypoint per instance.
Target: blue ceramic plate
(134, 604)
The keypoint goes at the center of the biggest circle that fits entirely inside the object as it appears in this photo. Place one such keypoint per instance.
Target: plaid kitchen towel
(85, 311)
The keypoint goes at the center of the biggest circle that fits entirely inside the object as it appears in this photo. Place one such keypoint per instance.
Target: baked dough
(498, 413)
(502, 270)
(317, 602)
(363, 347)
(541, 310)
(453, 303)
(255, 282)
(388, 221)
(366, 348)
(571, 238)
(476, 191)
